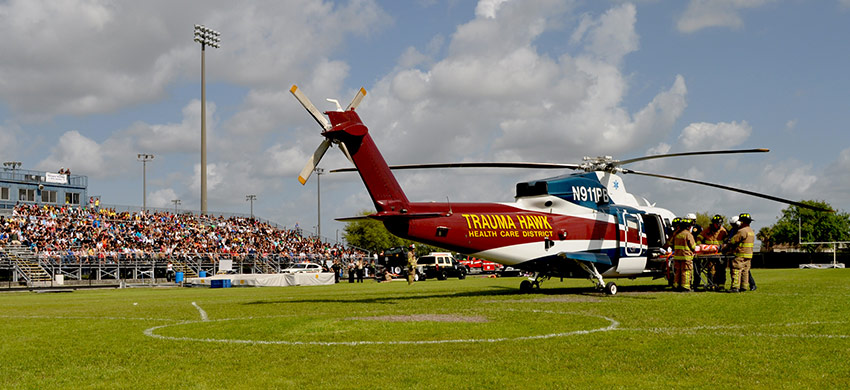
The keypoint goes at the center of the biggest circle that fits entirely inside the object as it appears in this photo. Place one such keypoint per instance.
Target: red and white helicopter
(581, 225)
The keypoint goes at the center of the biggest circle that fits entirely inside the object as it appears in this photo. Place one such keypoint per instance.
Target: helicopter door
(632, 245)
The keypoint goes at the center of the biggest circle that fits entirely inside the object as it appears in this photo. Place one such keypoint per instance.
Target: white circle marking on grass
(150, 332)
(39, 317)
(724, 330)
(203, 314)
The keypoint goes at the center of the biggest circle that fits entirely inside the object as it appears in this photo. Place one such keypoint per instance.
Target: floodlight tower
(251, 198)
(206, 37)
(13, 165)
(144, 158)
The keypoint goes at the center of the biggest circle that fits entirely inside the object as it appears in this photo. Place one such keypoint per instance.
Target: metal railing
(27, 176)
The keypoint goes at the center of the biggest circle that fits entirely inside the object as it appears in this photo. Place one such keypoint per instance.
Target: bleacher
(40, 242)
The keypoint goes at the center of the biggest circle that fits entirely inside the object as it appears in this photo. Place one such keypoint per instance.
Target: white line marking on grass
(723, 330)
(801, 336)
(612, 325)
(33, 317)
(201, 311)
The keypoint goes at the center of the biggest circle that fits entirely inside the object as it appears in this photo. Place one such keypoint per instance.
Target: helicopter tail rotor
(313, 162)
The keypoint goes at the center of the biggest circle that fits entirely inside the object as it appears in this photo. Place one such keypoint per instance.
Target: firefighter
(714, 234)
(741, 245)
(671, 270)
(683, 255)
(411, 264)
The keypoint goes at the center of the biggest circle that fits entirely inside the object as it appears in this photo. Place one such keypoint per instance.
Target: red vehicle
(472, 264)
(477, 266)
(490, 267)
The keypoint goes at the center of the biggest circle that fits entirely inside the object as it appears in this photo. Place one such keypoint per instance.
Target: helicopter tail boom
(346, 129)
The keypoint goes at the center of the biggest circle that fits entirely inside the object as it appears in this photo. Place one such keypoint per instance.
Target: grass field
(793, 332)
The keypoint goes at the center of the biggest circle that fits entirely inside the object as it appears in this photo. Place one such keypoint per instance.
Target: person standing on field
(411, 264)
(714, 234)
(336, 269)
(360, 270)
(741, 245)
(169, 272)
(683, 255)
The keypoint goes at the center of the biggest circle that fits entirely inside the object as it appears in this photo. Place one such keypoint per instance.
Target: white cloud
(833, 183)
(84, 156)
(162, 198)
(9, 136)
(488, 8)
(612, 36)
(789, 177)
(228, 182)
(174, 137)
(708, 136)
(661, 148)
(495, 96)
(90, 56)
(791, 124)
(285, 161)
(111, 156)
(702, 14)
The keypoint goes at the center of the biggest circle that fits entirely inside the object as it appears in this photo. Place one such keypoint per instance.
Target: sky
(88, 85)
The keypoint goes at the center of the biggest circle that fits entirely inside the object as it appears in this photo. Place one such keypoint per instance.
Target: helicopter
(578, 225)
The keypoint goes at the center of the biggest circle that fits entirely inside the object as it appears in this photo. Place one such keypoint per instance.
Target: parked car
(302, 268)
(440, 265)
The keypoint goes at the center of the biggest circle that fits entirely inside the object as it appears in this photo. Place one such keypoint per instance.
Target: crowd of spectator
(69, 234)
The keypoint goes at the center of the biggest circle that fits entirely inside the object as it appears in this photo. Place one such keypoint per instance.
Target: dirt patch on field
(424, 318)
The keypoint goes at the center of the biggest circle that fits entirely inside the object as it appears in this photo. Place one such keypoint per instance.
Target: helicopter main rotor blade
(476, 165)
(757, 194)
(733, 151)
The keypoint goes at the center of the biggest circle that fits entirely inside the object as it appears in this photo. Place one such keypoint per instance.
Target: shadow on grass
(629, 292)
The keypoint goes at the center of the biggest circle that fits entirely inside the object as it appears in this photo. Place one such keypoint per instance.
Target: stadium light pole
(206, 37)
(13, 165)
(176, 203)
(319, 173)
(251, 198)
(144, 158)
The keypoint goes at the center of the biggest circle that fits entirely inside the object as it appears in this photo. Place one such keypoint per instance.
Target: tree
(704, 219)
(801, 224)
(765, 235)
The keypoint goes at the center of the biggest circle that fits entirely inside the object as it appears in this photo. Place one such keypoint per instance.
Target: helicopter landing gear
(587, 266)
(531, 284)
